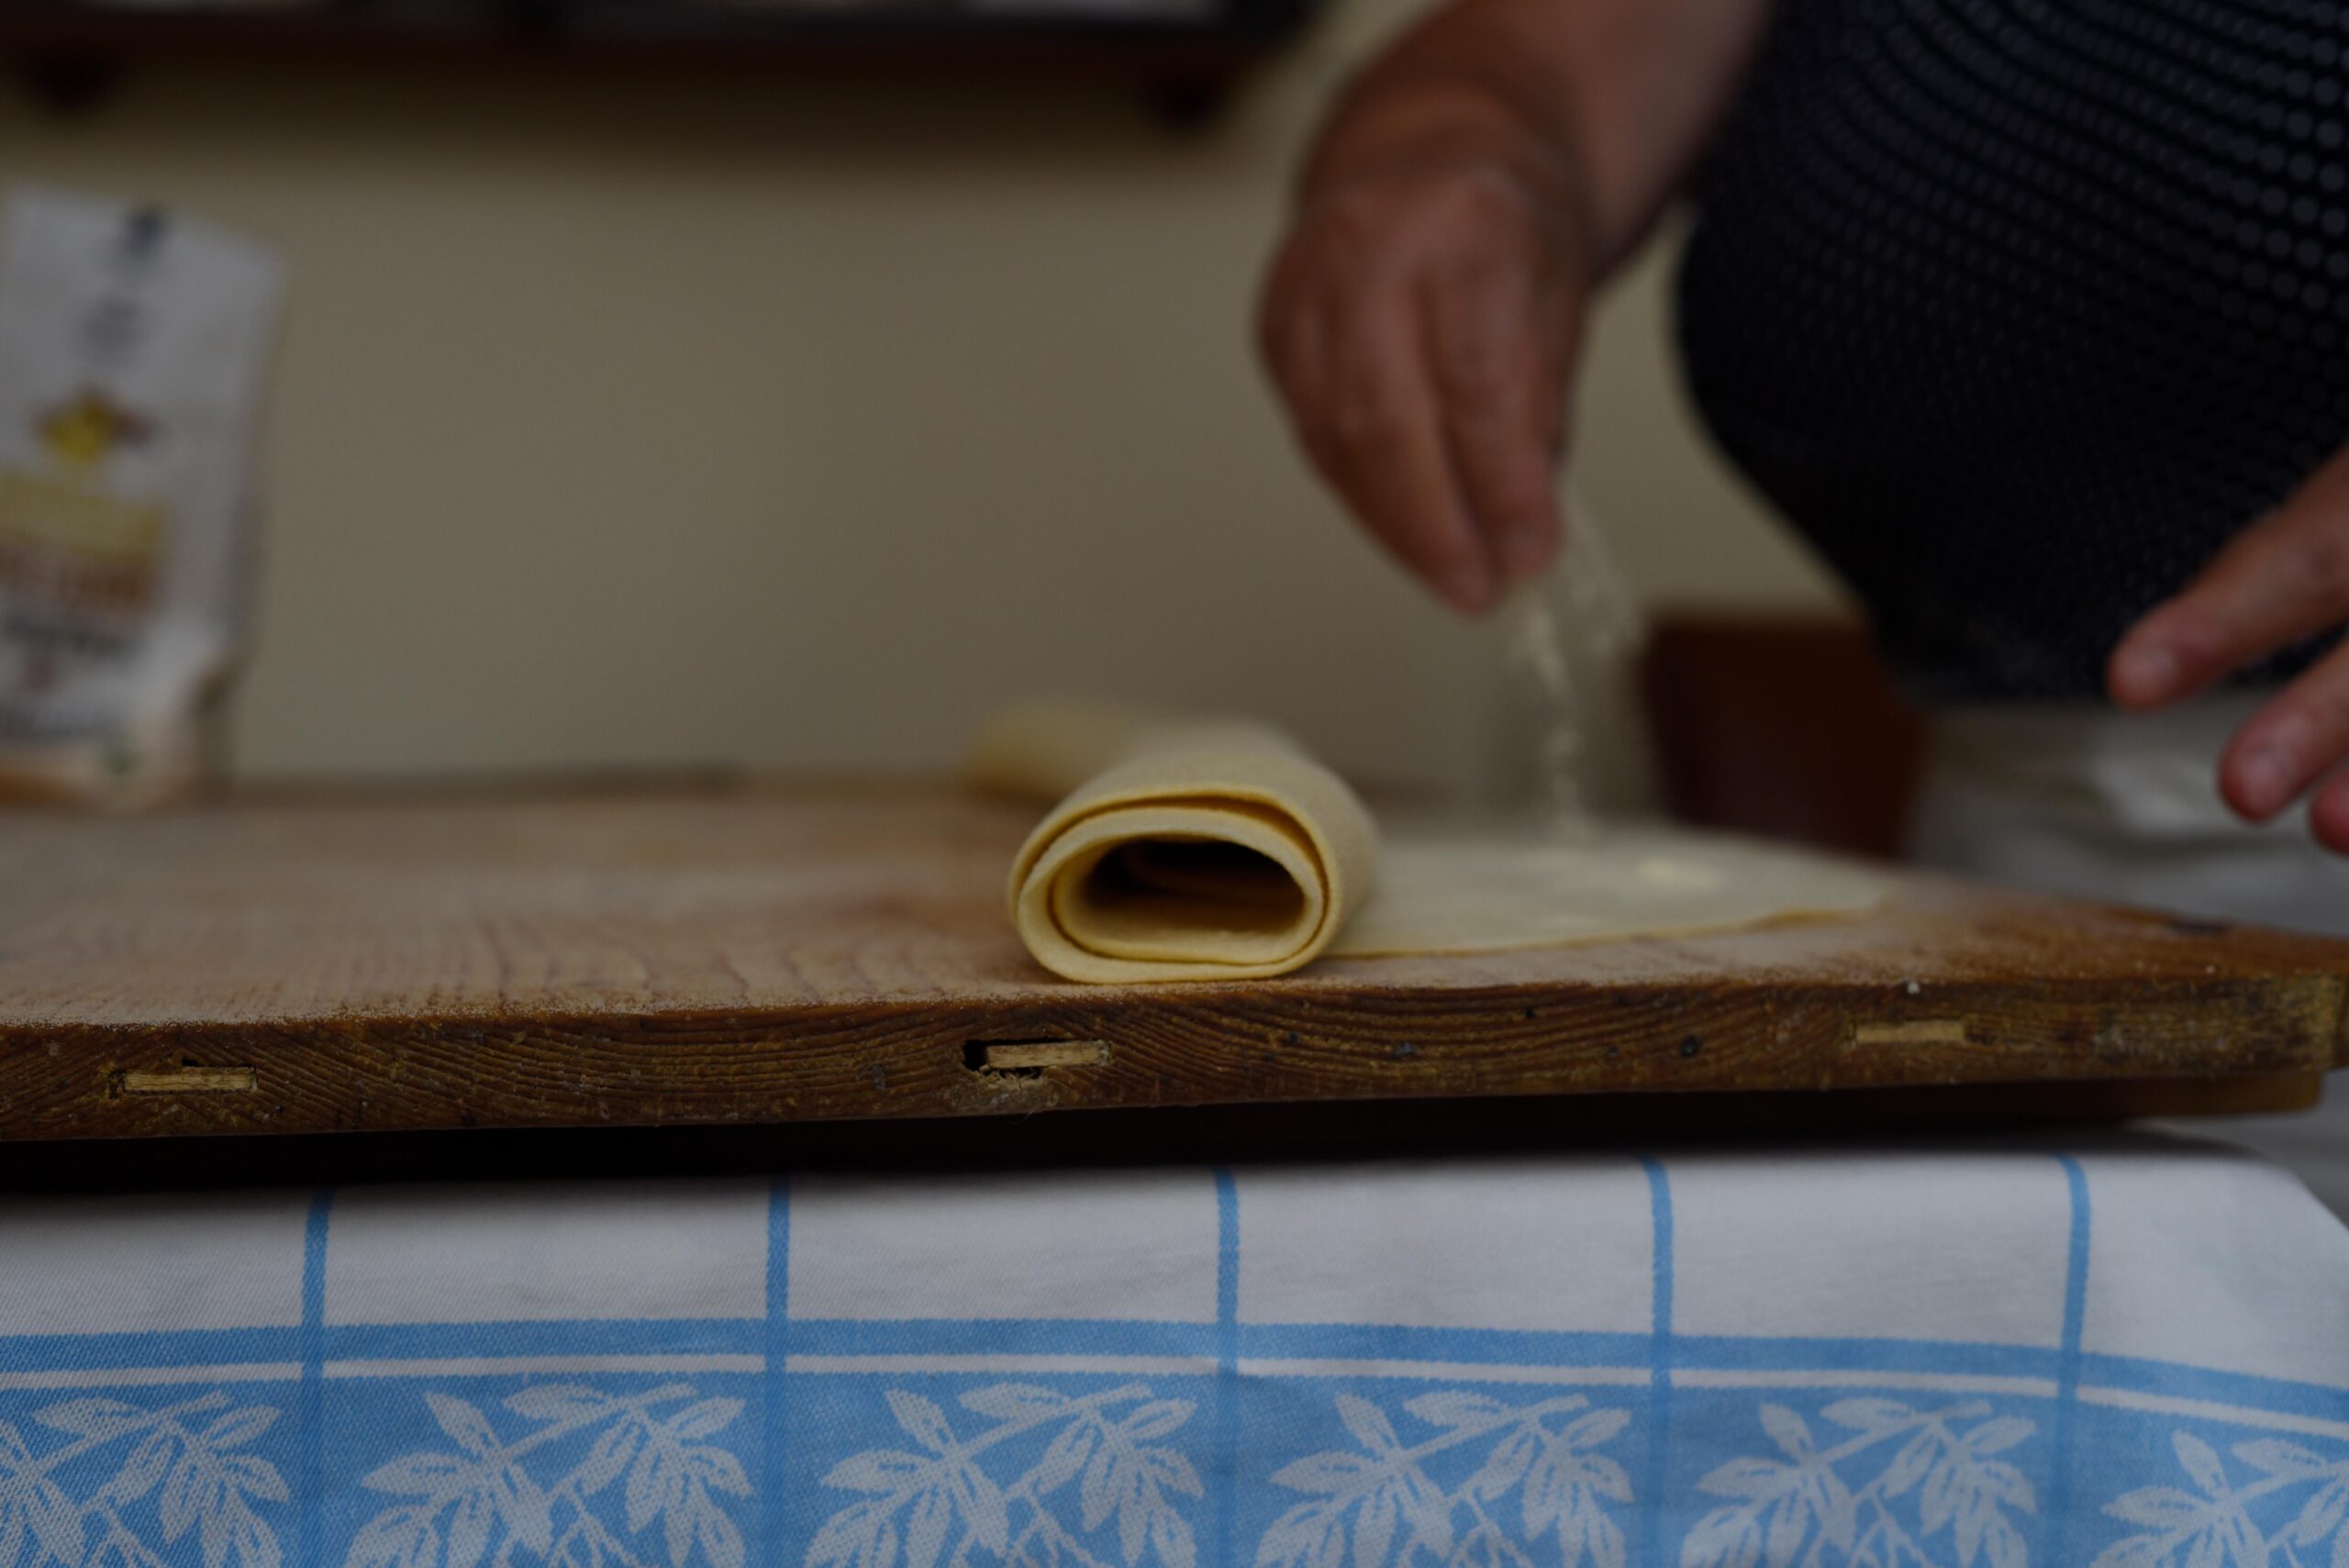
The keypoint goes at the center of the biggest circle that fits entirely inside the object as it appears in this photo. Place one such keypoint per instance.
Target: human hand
(1420, 322)
(2284, 578)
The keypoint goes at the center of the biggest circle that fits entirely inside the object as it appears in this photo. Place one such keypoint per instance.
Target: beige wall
(640, 419)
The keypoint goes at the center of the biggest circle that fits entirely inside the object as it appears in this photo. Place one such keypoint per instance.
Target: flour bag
(133, 342)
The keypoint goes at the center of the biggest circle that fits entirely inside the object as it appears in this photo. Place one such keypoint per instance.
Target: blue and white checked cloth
(2134, 1354)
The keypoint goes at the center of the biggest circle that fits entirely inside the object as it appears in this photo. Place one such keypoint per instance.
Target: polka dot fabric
(2018, 309)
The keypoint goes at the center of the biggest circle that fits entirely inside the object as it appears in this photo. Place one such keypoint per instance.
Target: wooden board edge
(1908, 1120)
(1225, 1046)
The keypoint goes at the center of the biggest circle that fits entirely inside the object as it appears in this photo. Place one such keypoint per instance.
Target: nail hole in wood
(1919, 1031)
(189, 1079)
(1029, 1058)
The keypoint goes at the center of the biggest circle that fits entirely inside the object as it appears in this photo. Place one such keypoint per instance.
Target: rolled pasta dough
(1181, 849)
(1217, 850)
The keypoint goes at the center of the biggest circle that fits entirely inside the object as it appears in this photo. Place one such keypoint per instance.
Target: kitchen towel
(2129, 1352)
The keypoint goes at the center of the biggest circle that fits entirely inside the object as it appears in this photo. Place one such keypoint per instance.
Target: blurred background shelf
(1185, 55)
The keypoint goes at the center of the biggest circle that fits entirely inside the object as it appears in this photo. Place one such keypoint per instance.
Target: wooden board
(715, 956)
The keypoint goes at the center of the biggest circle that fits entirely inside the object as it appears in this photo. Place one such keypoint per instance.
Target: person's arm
(1471, 188)
(2284, 578)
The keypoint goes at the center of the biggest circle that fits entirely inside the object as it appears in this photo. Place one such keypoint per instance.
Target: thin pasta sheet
(1219, 850)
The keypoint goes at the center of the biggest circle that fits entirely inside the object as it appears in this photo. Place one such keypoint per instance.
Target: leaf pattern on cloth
(1938, 1495)
(2300, 1493)
(1102, 1491)
(1536, 1473)
(180, 1478)
(646, 1492)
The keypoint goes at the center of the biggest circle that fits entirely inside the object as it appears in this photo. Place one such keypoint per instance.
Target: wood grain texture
(817, 953)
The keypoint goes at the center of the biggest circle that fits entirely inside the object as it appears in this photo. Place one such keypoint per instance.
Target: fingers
(1381, 442)
(2329, 816)
(2282, 579)
(1419, 333)
(2293, 740)
(1349, 363)
(1501, 409)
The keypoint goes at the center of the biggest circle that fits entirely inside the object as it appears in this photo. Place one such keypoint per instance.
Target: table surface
(329, 962)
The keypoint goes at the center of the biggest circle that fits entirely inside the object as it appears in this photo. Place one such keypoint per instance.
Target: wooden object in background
(70, 51)
(748, 955)
(1787, 727)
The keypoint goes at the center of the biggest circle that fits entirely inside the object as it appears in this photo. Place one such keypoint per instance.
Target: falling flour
(1572, 740)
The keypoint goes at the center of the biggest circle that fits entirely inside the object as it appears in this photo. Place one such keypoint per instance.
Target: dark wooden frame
(72, 53)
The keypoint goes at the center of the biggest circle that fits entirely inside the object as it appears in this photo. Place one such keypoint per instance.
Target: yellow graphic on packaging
(81, 434)
(64, 537)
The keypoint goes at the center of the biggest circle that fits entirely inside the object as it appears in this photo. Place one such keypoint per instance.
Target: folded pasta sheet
(1180, 850)
(1207, 850)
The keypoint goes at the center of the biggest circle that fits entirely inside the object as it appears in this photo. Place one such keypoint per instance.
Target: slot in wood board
(323, 963)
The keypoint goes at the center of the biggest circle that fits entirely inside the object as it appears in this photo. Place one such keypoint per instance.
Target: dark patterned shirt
(2020, 309)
